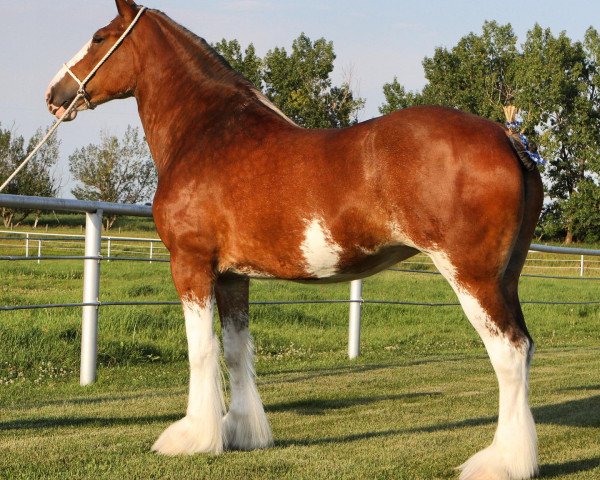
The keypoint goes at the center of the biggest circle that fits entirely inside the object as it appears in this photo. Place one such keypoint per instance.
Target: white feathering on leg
(201, 429)
(245, 426)
(513, 453)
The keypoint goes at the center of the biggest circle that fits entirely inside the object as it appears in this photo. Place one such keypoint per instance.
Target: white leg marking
(321, 253)
(63, 71)
(513, 453)
(245, 426)
(200, 430)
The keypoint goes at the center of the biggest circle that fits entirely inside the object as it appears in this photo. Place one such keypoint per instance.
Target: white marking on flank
(250, 272)
(321, 253)
(63, 71)
(399, 235)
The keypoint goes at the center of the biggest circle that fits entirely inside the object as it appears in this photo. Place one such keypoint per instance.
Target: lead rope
(81, 94)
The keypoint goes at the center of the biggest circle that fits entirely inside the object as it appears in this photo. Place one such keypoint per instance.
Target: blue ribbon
(535, 156)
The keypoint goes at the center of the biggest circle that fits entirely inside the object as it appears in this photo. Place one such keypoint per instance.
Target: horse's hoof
(489, 464)
(188, 436)
(247, 432)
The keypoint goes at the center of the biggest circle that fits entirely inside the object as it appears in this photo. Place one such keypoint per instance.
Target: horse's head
(114, 79)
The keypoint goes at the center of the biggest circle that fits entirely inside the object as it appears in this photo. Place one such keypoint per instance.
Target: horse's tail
(521, 151)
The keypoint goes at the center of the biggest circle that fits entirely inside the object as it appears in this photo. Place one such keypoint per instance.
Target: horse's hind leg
(245, 427)
(513, 452)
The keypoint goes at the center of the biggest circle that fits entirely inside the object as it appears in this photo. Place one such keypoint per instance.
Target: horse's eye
(97, 39)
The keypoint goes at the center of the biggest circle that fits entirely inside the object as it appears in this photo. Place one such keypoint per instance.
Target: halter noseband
(82, 83)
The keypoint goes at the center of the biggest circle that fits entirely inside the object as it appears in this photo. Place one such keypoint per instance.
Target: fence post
(354, 323)
(108, 249)
(151, 251)
(27, 245)
(581, 267)
(39, 251)
(91, 290)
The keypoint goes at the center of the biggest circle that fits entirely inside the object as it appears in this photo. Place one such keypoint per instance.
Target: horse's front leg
(201, 429)
(245, 426)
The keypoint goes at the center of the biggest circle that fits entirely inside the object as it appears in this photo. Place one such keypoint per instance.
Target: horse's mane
(221, 70)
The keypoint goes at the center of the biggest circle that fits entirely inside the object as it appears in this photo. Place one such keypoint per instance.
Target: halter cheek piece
(82, 93)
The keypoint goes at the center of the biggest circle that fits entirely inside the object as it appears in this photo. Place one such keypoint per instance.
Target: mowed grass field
(421, 398)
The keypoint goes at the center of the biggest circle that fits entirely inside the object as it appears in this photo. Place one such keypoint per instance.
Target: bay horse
(244, 192)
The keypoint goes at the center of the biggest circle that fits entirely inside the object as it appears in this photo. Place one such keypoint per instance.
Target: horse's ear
(127, 9)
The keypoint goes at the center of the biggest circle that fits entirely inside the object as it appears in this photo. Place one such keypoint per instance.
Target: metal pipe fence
(154, 251)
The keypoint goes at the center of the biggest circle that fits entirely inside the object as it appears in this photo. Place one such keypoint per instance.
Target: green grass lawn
(407, 417)
(418, 402)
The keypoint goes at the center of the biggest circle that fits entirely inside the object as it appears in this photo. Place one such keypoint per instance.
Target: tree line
(552, 80)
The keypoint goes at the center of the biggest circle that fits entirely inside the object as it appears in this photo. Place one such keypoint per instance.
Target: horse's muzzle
(58, 103)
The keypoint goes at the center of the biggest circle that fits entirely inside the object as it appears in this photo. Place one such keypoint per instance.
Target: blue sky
(374, 41)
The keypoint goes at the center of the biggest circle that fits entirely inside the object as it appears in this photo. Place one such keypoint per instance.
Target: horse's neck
(184, 90)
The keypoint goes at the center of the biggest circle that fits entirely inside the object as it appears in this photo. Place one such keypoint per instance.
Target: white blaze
(321, 253)
(63, 71)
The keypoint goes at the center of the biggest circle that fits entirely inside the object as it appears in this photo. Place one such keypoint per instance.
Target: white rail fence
(33, 245)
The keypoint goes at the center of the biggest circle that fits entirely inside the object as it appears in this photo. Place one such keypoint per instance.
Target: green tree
(583, 209)
(116, 170)
(247, 62)
(397, 98)
(300, 84)
(559, 101)
(476, 75)
(36, 179)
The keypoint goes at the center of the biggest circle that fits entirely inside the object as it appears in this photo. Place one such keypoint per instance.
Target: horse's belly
(321, 268)
(364, 265)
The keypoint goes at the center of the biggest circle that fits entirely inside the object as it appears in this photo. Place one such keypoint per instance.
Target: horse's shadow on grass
(557, 470)
(320, 406)
(71, 422)
(584, 412)
(581, 413)
(352, 369)
(580, 387)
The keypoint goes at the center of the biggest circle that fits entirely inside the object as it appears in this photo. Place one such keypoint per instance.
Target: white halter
(81, 94)
(82, 83)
